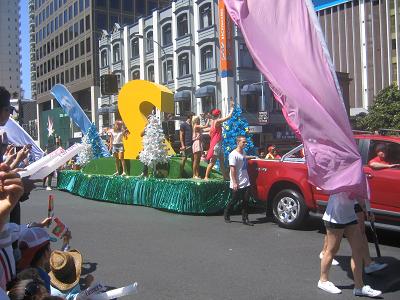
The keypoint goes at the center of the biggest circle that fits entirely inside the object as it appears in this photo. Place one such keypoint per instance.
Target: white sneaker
(48, 189)
(374, 267)
(334, 261)
(329, 287)
(367, 291)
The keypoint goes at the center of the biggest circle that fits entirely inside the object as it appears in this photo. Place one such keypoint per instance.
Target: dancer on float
(117, 146)
(340, 218)
(197, 144)
(216, 151)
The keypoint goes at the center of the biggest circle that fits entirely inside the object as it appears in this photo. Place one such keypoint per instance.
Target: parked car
(284, 185)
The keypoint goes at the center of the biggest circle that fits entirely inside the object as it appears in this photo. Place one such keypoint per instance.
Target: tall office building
(10, 50)
(66, 51)
(363, 39)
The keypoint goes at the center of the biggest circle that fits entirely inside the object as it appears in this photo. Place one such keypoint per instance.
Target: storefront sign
(225, 40)
(255, 129)
(263, 117)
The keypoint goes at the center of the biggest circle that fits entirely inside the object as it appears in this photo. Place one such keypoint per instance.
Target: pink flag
(287, 45)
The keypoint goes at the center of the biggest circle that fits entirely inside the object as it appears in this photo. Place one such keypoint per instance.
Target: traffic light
(109, 84)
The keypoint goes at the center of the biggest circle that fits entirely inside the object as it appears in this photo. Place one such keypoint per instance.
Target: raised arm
(228, 116)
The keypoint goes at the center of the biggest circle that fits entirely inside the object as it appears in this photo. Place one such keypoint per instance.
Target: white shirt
(239, 161)
(340, 209)
(117, 137)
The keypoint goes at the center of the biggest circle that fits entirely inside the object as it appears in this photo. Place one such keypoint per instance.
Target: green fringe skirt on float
(176, 195)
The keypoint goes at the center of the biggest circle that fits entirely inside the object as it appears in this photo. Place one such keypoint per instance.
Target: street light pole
(262, 92)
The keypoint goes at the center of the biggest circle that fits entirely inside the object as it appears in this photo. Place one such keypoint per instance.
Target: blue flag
(76, 113)
(71, 107)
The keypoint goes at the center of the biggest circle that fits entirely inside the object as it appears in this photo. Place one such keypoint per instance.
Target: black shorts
(331, 225)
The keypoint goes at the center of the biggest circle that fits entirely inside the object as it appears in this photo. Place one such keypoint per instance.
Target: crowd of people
(29, 269)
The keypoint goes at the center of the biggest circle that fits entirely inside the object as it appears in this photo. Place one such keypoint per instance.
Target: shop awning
(251, 89)
(205, 91)
(182, 96)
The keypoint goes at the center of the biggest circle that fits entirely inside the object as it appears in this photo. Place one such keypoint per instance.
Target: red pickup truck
(284, 185)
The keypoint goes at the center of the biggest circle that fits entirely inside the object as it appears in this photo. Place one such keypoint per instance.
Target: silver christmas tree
(154, 148)
(86, 154)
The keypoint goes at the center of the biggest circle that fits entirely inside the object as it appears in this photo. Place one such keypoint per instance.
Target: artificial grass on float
(106, 166)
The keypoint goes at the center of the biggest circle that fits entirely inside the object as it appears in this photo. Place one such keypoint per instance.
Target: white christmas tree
(86, 154)
(154, 148)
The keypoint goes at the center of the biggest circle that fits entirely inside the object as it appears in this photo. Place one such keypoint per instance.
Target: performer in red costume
(215, 151)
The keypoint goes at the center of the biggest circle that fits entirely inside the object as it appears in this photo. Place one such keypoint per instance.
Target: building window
(150, 73)
(87, 21)
(208, 103)
(81, 26)
(88, 67)
(245, 60)
(168, 71)
(149, 41)
(205, 16)
(76, 50)
(207, 58)
(183, 63)
(115, 4)
(104, 59)
(135, 75)
(134, 48)
(184, 107)
(166, 34)
(82, 46)
(77, 72)
(116, 53)
(88, 48)
(83, 69)
(182, 21)
(71, 74)
(251, 103)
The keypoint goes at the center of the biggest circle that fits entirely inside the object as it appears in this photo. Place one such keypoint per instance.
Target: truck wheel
(289, 209)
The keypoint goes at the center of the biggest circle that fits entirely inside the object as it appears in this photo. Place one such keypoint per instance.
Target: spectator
(380, 161)
(240, 181)
(116, 141)
(65, 273)
(28, 289)
(185, 137)
(5, 108)
(272, 153)
(34, 244)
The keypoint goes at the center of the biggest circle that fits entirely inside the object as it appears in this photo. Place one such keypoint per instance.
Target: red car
(284, 186)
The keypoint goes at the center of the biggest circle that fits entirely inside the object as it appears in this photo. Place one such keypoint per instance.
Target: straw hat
(65, 269)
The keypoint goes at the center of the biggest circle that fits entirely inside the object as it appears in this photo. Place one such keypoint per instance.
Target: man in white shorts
(340, 218)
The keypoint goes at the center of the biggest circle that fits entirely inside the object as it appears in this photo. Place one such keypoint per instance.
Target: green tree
(384, 113)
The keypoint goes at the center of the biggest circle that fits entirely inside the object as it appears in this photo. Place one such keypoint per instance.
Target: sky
(26, 81)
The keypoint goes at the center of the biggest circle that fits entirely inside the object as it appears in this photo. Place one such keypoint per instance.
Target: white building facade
(10, 48)
(179, 47)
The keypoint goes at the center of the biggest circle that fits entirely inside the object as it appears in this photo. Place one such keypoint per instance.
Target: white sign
(263, 117)
(37, 165)
(57, 162)
(78, 134)
(255, 129)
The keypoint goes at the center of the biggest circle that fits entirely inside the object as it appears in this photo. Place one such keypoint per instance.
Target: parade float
(164, 187)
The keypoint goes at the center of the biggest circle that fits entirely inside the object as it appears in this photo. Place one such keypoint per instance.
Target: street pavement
(174, 256)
